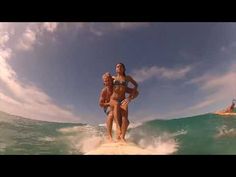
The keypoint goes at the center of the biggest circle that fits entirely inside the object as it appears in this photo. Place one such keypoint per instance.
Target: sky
(53, 71)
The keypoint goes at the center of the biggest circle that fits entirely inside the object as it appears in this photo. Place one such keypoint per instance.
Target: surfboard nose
(119, 149)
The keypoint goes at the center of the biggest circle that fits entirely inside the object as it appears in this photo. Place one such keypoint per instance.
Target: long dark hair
(122, 64)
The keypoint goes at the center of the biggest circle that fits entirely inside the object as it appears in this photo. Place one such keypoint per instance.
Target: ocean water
(202, 134)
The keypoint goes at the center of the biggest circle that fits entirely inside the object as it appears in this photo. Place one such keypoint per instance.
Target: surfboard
(119, 149)
(226, 113)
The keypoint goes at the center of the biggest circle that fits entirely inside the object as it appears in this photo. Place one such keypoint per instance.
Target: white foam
(78, 144)
(134, 124)
(105, 126)
(2, 147)
(159, 146)
(89, 144)
(180, 132)
(223, 131)
(164, 143)
(47, 138)
(82, 139)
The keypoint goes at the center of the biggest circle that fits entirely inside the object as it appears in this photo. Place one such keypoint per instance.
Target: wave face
(202, 134)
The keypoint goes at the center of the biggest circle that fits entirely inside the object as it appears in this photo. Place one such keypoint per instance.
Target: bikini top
(118, 82)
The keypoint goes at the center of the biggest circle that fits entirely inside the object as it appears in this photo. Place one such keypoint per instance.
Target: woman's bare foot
(118, 135)
(109, 139)
(123, 141)
(118, 138)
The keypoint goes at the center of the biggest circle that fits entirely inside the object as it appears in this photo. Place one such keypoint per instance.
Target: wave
(201, 134)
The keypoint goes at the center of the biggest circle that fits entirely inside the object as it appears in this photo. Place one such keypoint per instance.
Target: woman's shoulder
(128, 77)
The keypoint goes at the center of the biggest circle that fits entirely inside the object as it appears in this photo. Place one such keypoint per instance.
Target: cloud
(5, 53)
(159, 72)
(33, 32)
(130, 25)
(95, 28)
(229, 48)
(51, 27)
(143, 116)
(4, 37)
(100, 29)
(23, 99)
(218, 88)
(27, 100)
(28, 39)
(200, 105)
(215, 90)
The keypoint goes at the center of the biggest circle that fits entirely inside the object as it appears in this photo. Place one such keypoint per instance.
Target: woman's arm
(130, 79)
(133, 93)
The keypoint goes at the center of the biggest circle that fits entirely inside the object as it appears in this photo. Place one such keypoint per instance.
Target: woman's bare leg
(116, 113)
(125, 123)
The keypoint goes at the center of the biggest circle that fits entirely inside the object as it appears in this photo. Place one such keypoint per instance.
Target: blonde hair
(105, 75)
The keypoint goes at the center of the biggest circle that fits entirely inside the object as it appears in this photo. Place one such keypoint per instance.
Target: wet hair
(105, 75)
(122, 64)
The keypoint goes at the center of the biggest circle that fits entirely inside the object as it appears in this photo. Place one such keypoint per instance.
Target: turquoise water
(202, 134)
(25, 136)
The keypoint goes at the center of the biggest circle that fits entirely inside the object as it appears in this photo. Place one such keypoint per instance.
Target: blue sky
(52, 71)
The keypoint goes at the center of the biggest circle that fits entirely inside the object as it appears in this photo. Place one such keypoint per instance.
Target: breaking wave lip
(47, 139)
(135, 124)
(77, 129)
(132, 125)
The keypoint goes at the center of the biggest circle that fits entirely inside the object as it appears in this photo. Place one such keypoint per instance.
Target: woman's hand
(106, 104)
(125, 101)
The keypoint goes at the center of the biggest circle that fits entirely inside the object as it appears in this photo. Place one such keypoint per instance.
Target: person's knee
(124, 119)
(110, 117)
(125, 113)
(116, 104)
(110, 114)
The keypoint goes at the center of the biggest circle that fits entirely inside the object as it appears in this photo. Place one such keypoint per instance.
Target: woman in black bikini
(118, 100)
